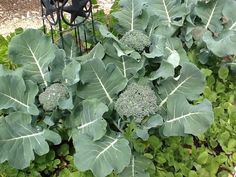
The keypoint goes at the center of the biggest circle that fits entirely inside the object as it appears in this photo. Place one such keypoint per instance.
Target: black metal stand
(68, 15)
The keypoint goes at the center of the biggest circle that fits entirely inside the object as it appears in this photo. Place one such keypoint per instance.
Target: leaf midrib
(211, 16)
(87, 124)
(102, 85)
(107, 148)
(37, 63)
(23, 137)
(167, 13)
(183, 117)
(15, 100)
(132, 15)
(173, 91)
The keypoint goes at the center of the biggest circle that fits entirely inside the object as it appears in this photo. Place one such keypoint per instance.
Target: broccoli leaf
(102, 156)
(121, 48)
(17, 94)
(100, 82)
(174, 49)
(170, 12)
(184, 118)
(229, 14)
(57, 65)
(71, 72)
(190, 84)
(106, 33)
(128, 16)
(210, 13)
(164, 71)
(35, 52)
(97, 52)
(223, 45)
(170, 49)
(89, 121)
(137, 167)
(128, 65)
(19, 140)
(152, 122)
(70, 47)
(157, 49)
(66, 103)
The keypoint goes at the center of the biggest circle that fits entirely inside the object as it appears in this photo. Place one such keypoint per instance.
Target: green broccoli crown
(137, 101)
(136, 40)
(50, 97)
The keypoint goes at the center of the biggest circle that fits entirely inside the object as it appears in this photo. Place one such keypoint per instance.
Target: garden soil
(26, 14)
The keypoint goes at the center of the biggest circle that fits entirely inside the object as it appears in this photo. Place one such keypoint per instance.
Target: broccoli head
(136, 40)
(50, 97)
(137, 101)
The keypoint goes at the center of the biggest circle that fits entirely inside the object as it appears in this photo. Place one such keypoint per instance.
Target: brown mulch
(18, 9)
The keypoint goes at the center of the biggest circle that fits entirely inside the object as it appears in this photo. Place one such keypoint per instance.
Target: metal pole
(85, 39)
(44, 27)
(60, 25)
(93, 26)
(80, 48)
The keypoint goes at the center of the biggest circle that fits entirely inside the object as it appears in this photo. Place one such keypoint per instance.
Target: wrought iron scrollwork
(73, 13)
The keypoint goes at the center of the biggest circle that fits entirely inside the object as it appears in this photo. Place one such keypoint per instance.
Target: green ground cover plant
(4, 59)
(126, 108)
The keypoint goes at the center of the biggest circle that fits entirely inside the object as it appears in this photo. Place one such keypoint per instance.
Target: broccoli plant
(117, 94)
(137, 101)
(52, 95)
(136, 40)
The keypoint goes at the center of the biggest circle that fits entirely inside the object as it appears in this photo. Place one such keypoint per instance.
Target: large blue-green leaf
(114, 43)
(174, 52)
(171, 49)
(164, 71)
(70, 47)
(190, 84)
(111, 153)
(184, 118)
(152, 122)
(19, 140)
(2, 70)
(5, 71)
(229, 14)
(100, 82)
(106, 33)
(157, 49)
(222, 46)
(170, 12)
(17, 94)
(71, 73)
(128, 65)
(89, 121)
(35, 52)
(210, 14)
(225, 43)
(57, 65)
(128, 16)
(97, 52)
(137, 167)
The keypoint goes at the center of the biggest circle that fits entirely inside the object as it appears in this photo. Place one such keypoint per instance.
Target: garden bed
(150, 98)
